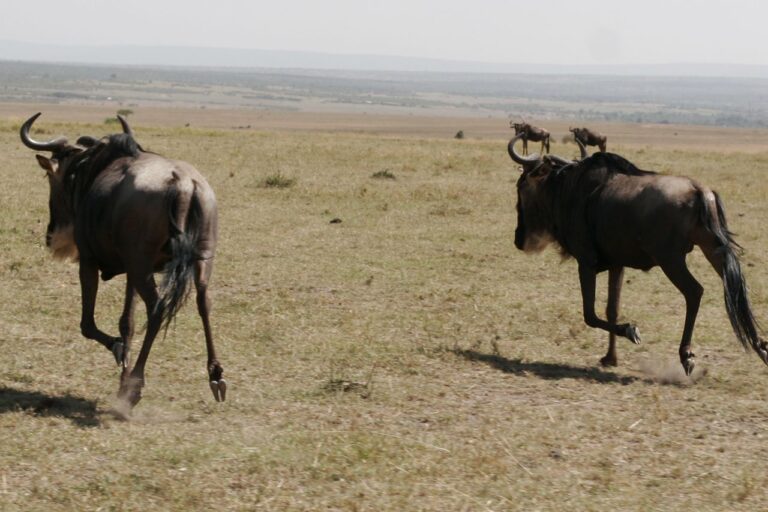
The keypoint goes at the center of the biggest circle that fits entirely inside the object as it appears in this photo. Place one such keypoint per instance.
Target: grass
(409, 358)
(277, 180)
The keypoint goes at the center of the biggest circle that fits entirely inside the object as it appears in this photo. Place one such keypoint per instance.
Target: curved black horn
(51, 145)
(524, 161)
(582, 149)
(124, 124)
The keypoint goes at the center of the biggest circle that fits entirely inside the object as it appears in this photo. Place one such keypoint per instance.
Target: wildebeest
(589, 137)
(608, 215)
(532, 133)
(118, 209)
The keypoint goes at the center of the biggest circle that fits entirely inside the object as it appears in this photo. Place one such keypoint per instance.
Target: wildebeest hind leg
(681, 277)
(615, 280)
(126, 329)
(587, 278)
(89, 287)
(203, 269)
(130, 388)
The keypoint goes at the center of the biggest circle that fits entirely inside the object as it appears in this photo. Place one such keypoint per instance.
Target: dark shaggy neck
(85, 166)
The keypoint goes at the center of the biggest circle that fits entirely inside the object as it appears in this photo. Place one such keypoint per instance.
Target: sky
(578, 32)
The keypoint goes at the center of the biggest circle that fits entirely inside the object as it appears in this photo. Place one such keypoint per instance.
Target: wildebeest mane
(571, 188)
(88, 164)
(614, 164)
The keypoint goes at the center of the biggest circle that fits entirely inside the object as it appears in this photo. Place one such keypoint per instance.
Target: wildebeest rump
(528, 132)
(118, 209)
(608, 215)
(588, 137)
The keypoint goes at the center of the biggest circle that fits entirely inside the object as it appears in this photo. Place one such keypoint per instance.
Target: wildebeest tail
(737, 305)
(184, 215)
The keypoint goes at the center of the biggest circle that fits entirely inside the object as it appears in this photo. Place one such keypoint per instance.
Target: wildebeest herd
(118, 209)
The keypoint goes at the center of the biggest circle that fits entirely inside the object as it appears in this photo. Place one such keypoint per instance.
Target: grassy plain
(406, 358)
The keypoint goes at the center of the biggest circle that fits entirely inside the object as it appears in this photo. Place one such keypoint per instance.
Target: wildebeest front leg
(681, 277)
(587, 278)
(89, 287)
(615, 280)
(203, 269)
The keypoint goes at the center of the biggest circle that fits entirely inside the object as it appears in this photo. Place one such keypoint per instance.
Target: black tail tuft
(737, 305)
(179, 271)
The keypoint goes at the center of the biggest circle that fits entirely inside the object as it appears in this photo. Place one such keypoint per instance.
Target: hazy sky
(533, 31)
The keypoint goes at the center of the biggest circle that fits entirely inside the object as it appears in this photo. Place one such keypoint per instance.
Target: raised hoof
(633, 334)
(219, 389)
(762, 351)
(118, 350)
(689, 363)
(608, 361)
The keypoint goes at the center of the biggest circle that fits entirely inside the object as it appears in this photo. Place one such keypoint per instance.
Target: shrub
(386, 174)
(277, 180)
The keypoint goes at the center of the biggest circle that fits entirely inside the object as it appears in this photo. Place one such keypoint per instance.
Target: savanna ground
(406, 358)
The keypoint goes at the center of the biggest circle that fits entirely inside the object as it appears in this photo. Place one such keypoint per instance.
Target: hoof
(219, 389)
(689, 363)
(633, 334)
(762, 351)
(130, 397)
(118, 350)
(130, 389)
(608, 361)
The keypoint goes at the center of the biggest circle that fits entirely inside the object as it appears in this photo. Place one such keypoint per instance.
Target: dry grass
(408, 358)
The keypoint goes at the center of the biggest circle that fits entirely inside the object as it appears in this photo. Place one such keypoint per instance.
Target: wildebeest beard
(62, 244)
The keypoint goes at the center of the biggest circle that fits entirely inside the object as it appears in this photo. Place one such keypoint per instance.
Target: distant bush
(277, 180)
(111, 120)
(386, 174)
(459, 134)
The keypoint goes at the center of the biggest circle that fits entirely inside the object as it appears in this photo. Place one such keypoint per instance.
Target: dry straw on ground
(401, 360)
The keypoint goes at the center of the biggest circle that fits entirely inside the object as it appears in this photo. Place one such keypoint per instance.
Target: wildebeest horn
(124, 124)
(558, 160)
(524, 161)
(51, 145)
(582, 149)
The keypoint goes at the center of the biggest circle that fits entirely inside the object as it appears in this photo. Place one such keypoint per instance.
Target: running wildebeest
(608, 215)
(117, 209)
(589, 137)
(532, 133)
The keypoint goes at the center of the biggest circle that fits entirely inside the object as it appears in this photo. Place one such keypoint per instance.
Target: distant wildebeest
(117, 209)
(532, 133)
(608, 215)
(589, 137)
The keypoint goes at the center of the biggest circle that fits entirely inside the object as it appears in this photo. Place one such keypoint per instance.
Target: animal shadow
(549, 371)
(80, 411)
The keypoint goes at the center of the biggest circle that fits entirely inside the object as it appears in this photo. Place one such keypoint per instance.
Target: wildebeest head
(61, 170)
(59, 236)
(518, 127)
(534, 219)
